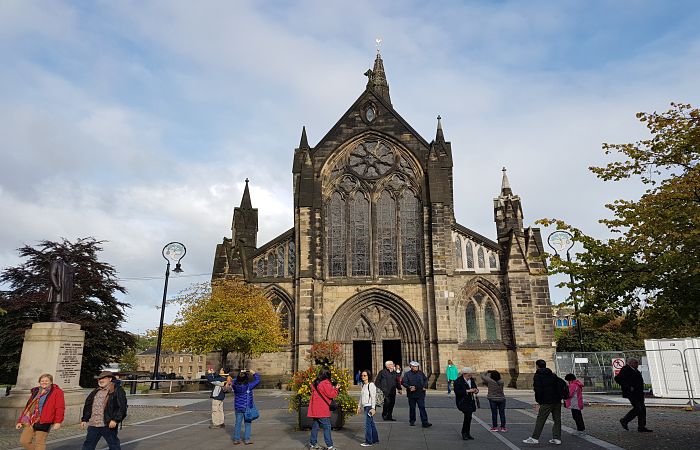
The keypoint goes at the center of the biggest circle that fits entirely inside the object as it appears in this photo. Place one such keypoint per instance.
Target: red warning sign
(617, 364)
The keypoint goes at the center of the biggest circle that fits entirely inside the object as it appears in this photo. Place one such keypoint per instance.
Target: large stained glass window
(336, 240)
(472, 323)
(271, 264)
(470, 256)
(386, 234)
(280, 261)
(490, 323)
(458, 253)
(359, 234)
(480, 257)
(291, 259)
(410, 226)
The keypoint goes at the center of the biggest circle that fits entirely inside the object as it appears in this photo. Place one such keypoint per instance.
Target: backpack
(563, 389)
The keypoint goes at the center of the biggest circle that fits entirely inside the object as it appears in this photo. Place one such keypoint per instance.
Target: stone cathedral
(377, 262)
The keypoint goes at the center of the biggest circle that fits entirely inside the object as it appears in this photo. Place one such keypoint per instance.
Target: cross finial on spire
(378, 41)
(505, 184)
(439, 136)
(245, 200)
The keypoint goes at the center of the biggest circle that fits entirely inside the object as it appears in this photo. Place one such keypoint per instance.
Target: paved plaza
(182, 423)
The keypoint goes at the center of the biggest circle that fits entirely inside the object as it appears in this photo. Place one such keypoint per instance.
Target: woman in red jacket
(323, 390)
(44, 408)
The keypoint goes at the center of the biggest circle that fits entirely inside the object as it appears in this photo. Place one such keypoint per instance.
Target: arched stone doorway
(376, 325)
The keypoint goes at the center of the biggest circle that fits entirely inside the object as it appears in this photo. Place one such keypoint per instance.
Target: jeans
(371, 436)
(95, 433)
(498, 407)
(388, 407)
(237, 430)
(639, 410)
(324, 422)
(545, 410)
(449, 386)
(412, 402)
(578, 418)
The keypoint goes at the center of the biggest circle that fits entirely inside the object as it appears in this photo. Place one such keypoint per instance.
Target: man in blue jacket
(217, 397)
(416, 384)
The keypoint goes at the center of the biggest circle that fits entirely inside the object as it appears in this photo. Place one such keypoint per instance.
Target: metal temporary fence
(669, 373)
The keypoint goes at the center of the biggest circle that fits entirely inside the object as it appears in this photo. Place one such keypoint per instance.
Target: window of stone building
(271, 264)
(291, 259)
(573, 322)
(359, 234)
(492, 260)
(280, 261)
(470, 256)
(558, 322)
(490, 324)
(336, 238)
(190, 369)
(179, 369)
(472, 323)
(261, 267)
(566, 322)
(200, 358)
(458, 253)
(386, 234)
(180, 358)
(410, 233)
(480, 258)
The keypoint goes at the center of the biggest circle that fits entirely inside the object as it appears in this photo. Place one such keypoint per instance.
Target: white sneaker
(531, 440)
(555, 441)
(364, 444)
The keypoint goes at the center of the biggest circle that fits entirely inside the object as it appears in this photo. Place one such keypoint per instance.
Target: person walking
(218, 395)
(496, 398)
(465, 392)
(451, 372)
(242, 388)
(575, 402)
(105, 408)
(323, 390)
(416, 384)
(389, 383)
(632, 383)
(548, 395)
(367, 405)
(44, 411)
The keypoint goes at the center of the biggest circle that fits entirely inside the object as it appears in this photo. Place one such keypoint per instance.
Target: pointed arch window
(472, 323)
(410, 215)
(261, 267)
(480, 258)
(280, 261)
(386, 234)
(336, 239)
(490, 324)
(271, 264)
(458, 253)
(359, 234)
(470, 256)
(291, 259)
(559, 322)
(492, 260)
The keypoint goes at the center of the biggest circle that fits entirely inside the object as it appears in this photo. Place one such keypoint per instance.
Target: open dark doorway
(361, 356)
(391, 351)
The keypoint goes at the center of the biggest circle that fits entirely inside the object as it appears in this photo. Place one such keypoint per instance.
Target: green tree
(93, 306)
(650, 268)
(601, 332)
(225, 315)
(128, 361)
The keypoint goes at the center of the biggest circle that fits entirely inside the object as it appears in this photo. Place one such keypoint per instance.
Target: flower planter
(305, 422)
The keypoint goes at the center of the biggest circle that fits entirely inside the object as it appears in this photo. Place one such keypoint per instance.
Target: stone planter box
(304, 422)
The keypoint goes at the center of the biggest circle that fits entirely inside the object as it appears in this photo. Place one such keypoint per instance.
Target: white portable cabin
(668, 360)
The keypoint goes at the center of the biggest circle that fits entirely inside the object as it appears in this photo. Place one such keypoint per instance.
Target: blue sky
(137, 121)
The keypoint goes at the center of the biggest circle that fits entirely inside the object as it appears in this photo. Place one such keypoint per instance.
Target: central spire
(377, 79)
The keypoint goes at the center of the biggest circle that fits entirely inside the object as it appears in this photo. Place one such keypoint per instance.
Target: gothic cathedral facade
(377, 262)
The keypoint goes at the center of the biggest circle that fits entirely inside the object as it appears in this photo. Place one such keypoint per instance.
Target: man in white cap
(465, 391)
(416, 384)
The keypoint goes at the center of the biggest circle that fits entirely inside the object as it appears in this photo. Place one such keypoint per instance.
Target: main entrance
(361, 356)
(391, 351)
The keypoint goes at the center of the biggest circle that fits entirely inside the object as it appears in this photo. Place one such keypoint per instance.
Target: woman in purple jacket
(243, 398)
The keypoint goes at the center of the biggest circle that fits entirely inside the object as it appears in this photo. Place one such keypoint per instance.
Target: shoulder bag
(332, 405)
(251, 412)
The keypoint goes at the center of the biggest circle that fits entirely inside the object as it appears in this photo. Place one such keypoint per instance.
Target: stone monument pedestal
(49, 347)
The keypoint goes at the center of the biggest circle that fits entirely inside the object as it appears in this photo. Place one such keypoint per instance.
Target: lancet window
(470, 256)
(458, 253)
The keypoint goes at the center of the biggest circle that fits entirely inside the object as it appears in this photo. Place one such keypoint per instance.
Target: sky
(136, 122)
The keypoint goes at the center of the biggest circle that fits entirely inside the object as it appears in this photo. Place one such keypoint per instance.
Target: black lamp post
(560, 241)
(174, 252)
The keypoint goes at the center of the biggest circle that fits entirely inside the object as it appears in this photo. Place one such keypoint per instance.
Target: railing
(164, 386)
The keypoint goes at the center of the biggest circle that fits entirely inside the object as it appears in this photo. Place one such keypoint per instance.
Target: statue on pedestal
(61, 275)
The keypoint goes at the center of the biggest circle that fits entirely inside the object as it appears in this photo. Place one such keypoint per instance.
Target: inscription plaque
(70, 357)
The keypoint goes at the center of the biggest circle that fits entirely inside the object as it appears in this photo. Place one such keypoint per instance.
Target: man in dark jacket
(388, 383)
(548, 396)
(416, 383)
(465, 391)
(105, 408)
(632, 383)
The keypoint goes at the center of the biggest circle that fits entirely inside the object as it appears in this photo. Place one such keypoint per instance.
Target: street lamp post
(174, 252)
(560, 241)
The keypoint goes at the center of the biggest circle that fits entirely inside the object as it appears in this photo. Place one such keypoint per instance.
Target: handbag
(251, 412)
(332, 405)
